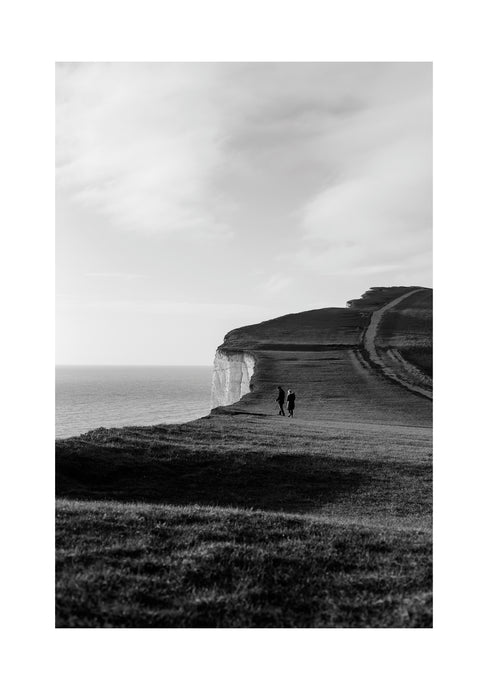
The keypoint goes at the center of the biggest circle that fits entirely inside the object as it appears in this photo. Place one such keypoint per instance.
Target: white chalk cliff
(231, 377)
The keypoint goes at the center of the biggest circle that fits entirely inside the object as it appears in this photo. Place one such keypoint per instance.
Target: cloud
(267, 186)
(138, 144)
(115, 275)
(158, 307)
(337, 153)
(276, 283)
(374, 213)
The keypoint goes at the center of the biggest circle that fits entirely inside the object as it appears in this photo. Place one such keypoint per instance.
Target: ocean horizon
(93, 396)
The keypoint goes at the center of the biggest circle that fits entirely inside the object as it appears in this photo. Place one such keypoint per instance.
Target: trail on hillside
(369, 343)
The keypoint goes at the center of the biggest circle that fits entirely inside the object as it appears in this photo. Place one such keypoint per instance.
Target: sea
(88, 397)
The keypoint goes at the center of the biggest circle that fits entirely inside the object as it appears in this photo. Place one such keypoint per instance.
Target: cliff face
(231, 377)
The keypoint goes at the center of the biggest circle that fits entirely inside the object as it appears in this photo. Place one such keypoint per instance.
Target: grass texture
(135, 565)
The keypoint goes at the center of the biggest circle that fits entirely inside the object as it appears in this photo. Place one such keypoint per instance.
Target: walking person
(281, 400)
(291, 402)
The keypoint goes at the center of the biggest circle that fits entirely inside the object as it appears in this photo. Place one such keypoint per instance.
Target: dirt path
(369, 344)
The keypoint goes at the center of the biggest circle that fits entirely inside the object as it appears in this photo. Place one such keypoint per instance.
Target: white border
(37, 34)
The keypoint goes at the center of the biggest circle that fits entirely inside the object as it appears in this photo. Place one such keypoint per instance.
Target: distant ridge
(337, 374)
(376, 297)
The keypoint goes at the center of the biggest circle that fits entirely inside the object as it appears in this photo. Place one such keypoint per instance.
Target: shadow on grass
(178, 476)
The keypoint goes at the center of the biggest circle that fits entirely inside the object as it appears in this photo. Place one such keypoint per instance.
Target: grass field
(299, 525)
(408, 328)
(134, 565)
(284, 466)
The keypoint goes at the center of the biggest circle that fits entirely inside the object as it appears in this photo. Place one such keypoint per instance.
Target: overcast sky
(194, 198)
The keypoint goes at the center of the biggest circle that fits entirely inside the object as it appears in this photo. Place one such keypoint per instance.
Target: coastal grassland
(139, 565)
(245, 521)
(378, 474)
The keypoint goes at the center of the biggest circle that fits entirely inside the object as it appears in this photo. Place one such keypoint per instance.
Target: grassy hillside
(302, 331)
(319, 354)
(408, 329)
(341, 537)
(136, 565)
(376, 297)
(255, 463)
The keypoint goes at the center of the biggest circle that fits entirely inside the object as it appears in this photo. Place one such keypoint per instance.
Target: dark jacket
(291, 401)
(281, 396)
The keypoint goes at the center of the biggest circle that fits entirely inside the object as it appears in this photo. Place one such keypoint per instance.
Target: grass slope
(344, 542)
(121, 565)
(408, 328)
(381, 474)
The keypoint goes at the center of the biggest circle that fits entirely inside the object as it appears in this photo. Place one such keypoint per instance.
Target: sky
(194, 198)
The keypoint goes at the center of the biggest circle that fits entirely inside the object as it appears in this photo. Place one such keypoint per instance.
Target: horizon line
(56, 364)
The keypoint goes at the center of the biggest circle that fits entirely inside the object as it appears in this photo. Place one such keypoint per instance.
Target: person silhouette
(281, 400)
(291, 402)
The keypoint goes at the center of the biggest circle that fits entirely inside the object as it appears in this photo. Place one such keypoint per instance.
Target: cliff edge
(370, 361)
